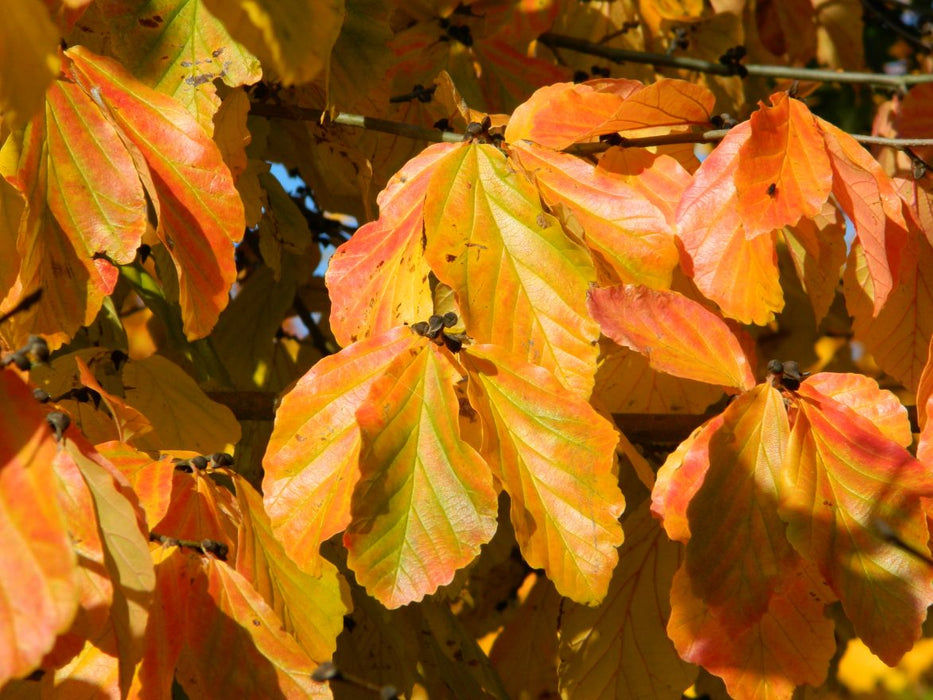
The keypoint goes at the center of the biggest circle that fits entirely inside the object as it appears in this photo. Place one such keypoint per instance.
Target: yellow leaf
(29, 59)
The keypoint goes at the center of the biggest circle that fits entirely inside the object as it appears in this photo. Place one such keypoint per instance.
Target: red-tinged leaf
(791, 644)
(869, 198)
(425, 501)
(841, 478)
(126, 551)
(200, 212)
(509, 72)
(311, 608)
(151, 479)
(862, 394)
(379, 278)
(676, 334)
(635, 242)
(714, 245)
(237, 647)
(560, 115)
(520, 281)
(914, 119)
(27, 34)
(783, 172)
(898, 335)
(176, 574)
(817, 248)
(128, 420)
(680, 478)
(200, 509)
(738, 556)
(525, 651)
(38, 587)
(553, 454)
(620, 649)
(91, 668)
(311, 463)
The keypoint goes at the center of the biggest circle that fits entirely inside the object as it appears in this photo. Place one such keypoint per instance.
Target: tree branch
(898, 82)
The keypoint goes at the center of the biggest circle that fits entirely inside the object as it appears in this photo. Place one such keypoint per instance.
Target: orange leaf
(27, 34)
(38, 584)
(714, 245)
(560, 115)
(379, 278)
(237, 647)
(311, 463)
(425, 500)
(200, 212)
(553, 454)
(312, 608)
(636, 242)
(841, 477)
(151, 479)
(520, 281)
(620, 649)
(870, 200)
(783, 171)
(678, 335)
(862, 395)
(817, 248)
(791, 644)
(128, 420)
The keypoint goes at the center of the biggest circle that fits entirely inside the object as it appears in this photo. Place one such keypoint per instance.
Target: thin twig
(898, 82)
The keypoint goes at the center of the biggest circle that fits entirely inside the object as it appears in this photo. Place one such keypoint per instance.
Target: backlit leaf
(678, 335)
(620, 649)
(783, 172)
(553, 454)
(311, 463)
(292, 37)
(201, 509)
(714, 244)
(150, 478)
(636, 242)
(560, 115)
(869, 198)
(29, 60)
(37, 587)
(91, 668)
(128, 420)
(311, 607)
(379, 278)
(237, 647)
(520, 281)
(425, 500)
(200, 212)
(841, 477)
(817, 248)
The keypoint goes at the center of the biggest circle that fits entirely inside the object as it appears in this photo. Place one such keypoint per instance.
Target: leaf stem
(898, 82)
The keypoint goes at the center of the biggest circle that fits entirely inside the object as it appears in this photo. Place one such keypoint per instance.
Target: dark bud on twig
(421, 328)
(731, 60)
(325, 672)
(723, 121)
(580, 76)
(450, 319)
(19, 359)
(442, 124)
(199, 462)
(183, 465)
(59, 423)
(435, 323)
(39, 348)
(218, 549)
(222, 459)
(41, 395)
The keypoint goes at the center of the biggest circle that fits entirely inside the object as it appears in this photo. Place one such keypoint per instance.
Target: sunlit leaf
(292, 37)
(714, 244)
(553, 454)
(620, 649)
(29, 60)
(678, 335)
(311, 463)
(128, 420)
(379, 278)
(94, 668)
(817, 248)
(783, 172)
(635, 241)
(38, 588)
(311, 607)
(841, 477)
(520, 281)
(199, 210)
(425, 500)
(150, 478)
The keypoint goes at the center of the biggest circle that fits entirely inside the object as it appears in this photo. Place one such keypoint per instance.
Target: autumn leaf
(714, 244)
(384, 261)
(128, 420)
(425, 500)
(199, 210)
(311, 463)
(520, 281)
(840, 477)
(553, 454)
(817, 248)
(620, 649)
(560, 115)
(676, 334)
(29, 59)
(38, 558)
(783, 171)
(636, 242)
(151, 479)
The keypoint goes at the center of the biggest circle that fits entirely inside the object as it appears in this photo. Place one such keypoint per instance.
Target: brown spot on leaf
(216, 52)
(196, 80)
(151, 22)
(450, 258)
